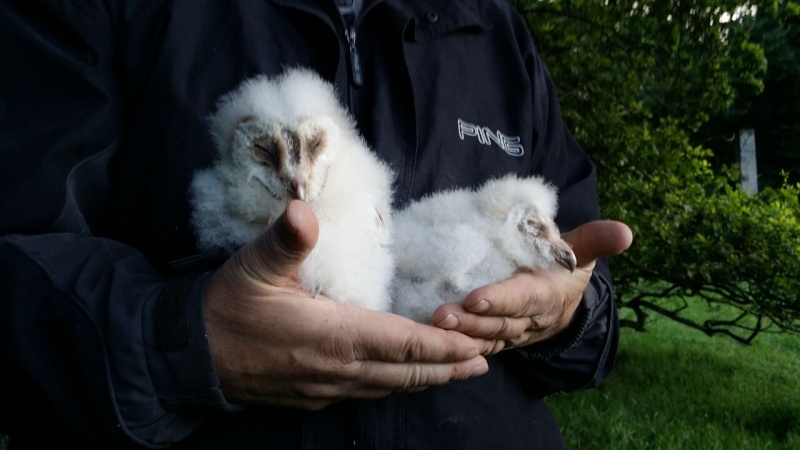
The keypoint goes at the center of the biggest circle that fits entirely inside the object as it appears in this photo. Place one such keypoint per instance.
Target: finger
(487, 328)
(518, 296)
(392, 338)
(377, 375)
(599, 239)
(278, 252)
(375, 379)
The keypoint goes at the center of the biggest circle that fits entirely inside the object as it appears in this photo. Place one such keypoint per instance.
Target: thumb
(598, 239)
(278, 252)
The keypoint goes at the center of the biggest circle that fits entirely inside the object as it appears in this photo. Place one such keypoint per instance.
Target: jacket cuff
(570, 337)
(179, 356)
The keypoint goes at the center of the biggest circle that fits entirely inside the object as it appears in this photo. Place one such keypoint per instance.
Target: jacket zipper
(356, 76)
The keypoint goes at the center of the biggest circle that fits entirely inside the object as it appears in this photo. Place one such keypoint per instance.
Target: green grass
(676, 388)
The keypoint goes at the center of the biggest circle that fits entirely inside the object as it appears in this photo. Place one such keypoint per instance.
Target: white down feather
(450, 243)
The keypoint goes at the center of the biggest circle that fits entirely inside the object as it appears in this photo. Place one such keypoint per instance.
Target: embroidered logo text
(510, 144)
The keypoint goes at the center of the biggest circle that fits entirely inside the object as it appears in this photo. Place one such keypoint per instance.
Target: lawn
(676, 388)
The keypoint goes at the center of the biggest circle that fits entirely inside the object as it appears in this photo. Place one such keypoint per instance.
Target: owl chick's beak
(565, 256)
(297, 190)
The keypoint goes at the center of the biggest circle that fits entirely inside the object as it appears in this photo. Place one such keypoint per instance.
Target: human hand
(272, 343)
(534, 306)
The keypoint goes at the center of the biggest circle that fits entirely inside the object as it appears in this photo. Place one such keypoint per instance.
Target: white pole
(747, 161)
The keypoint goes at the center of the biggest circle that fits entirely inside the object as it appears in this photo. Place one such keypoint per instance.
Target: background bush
(650, 89)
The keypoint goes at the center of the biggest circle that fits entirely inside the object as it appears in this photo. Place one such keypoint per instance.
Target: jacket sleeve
(93, 340)
(583, 355)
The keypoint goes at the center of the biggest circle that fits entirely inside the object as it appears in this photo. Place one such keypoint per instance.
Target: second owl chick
(287, 138)
(450, 243)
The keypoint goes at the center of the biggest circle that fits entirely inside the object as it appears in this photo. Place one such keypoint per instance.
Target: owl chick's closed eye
(285, 138)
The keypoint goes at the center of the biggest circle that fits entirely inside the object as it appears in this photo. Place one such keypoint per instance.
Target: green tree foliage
(775, 116)
(774, 113)
(637, 80)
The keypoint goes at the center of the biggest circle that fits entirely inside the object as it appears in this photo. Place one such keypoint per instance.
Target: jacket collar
(430, 18)
(321, 8)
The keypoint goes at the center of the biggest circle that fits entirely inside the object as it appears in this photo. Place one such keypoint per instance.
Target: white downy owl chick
(287, 138)
(452, 242)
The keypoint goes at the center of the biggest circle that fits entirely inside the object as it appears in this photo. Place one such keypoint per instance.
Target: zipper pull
(357, 77)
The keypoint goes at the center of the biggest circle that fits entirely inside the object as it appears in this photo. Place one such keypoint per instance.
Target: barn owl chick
(450, 243)
(287, 138)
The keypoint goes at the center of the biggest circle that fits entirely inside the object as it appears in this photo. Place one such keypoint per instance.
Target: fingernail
(480, 307)
(449, 322)
(480, 369)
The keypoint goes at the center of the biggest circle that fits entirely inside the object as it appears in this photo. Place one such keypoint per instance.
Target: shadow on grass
(780, 421)
(720, 388)
(674, 389)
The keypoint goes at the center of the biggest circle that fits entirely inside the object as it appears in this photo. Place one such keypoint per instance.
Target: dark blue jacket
(103, 108)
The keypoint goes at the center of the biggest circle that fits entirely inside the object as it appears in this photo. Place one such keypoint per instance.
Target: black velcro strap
(172, 314)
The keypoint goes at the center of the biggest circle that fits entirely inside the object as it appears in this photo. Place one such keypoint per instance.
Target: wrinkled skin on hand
(534, 306)
(272, 343)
